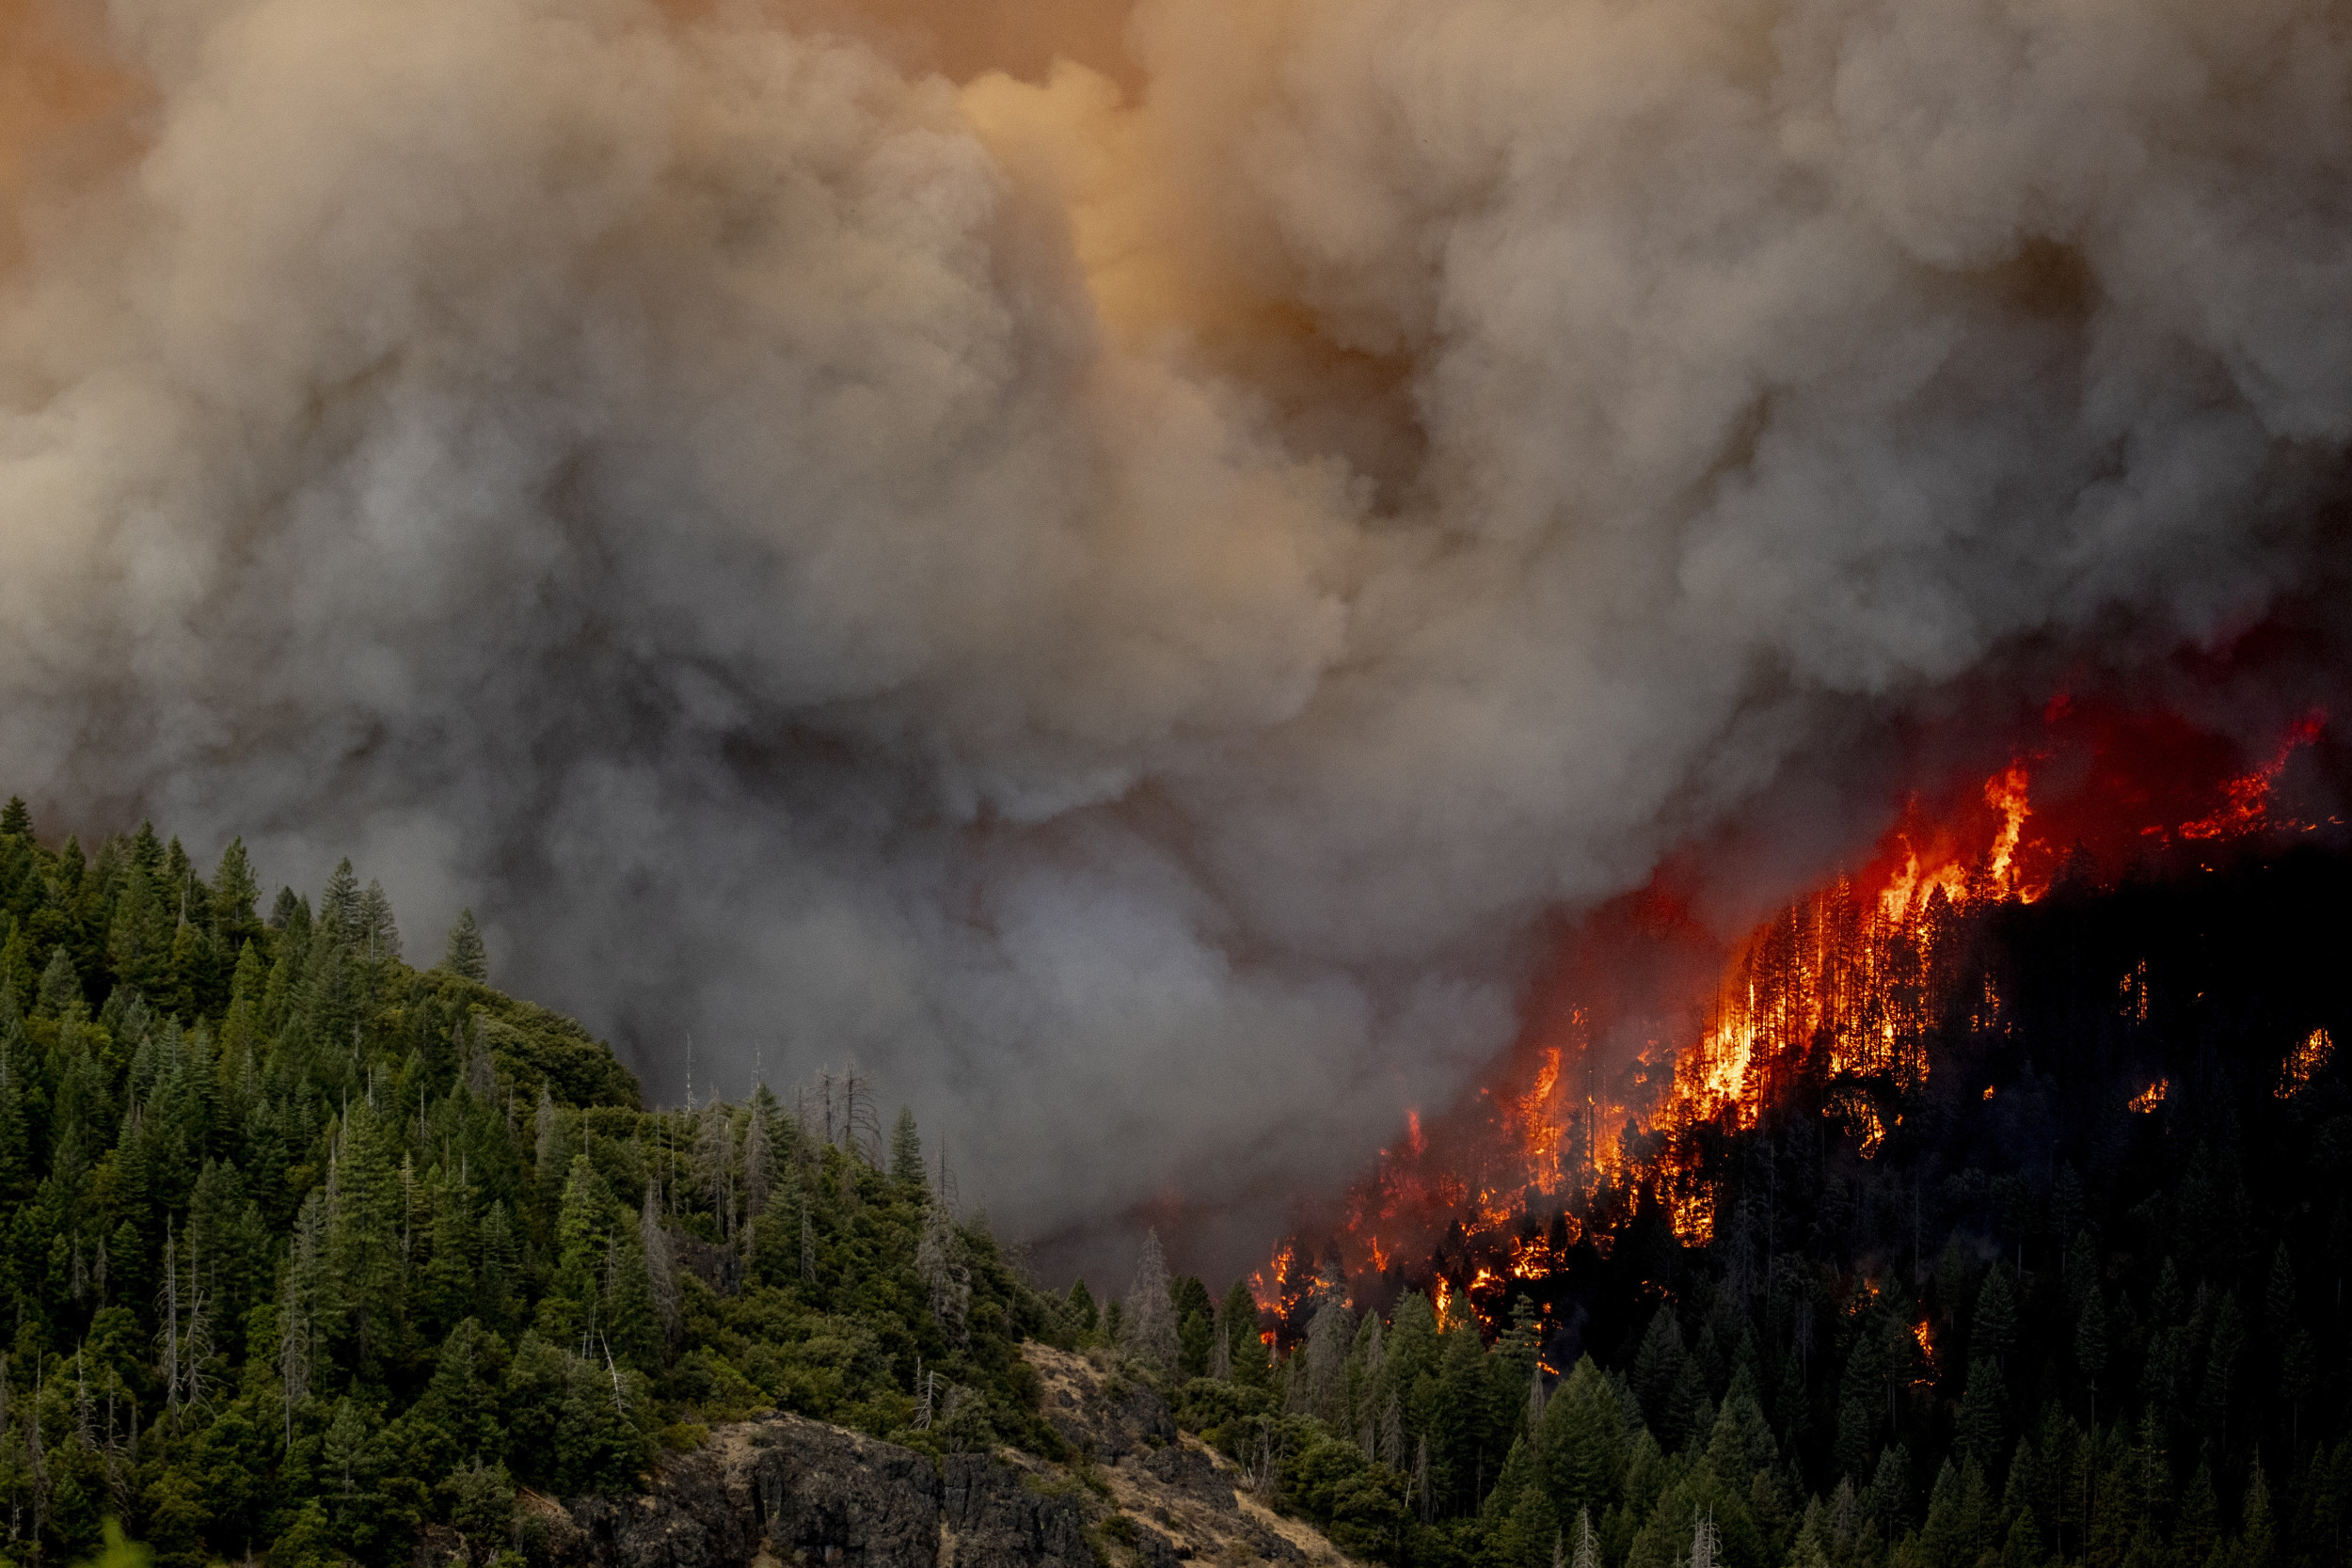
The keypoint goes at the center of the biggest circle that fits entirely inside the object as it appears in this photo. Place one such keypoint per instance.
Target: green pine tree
(906, 1154)
(338, 905)
(235, 893)
(464, 955)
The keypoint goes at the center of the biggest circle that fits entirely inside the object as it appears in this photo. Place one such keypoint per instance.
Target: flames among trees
(1993, 1205)
(1636, 1054)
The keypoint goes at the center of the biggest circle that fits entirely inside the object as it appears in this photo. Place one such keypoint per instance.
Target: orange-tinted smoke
(64, 105)
(964, 38)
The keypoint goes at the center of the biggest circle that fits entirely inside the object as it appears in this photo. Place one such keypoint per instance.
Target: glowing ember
(1536, 1259)
(2152, 1095)
(1988, 1091)
(2304, 1061)
(2132, 995)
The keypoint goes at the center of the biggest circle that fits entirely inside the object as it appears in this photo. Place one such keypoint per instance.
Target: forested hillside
(316, 1255)
(2079, 1296)
(309, 1247)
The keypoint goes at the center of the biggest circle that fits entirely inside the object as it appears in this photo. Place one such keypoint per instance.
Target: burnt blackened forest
(310, 1250)
(2052, 1317)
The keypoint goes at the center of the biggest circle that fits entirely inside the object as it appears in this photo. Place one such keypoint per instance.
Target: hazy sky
(1118, 594)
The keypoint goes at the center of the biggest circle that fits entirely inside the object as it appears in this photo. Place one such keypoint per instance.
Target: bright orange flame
(2304, 1061)
(2005, 792)
(1266, 1286)
(1843, 988)
(2152, 1095)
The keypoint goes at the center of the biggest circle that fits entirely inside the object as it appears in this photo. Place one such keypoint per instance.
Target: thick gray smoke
(1117, 614)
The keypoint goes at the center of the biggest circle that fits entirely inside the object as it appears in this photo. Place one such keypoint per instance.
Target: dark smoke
(1123, 615)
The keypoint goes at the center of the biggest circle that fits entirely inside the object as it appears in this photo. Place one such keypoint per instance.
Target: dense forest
(308, 1247)
(311, 1249)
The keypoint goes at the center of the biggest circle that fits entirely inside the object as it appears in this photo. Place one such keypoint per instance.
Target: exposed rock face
(796, 1491)
(1103, 1417)
(783, 1491)
(1182, 1503)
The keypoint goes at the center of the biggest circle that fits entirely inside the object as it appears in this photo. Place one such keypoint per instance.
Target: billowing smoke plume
(1118, 612)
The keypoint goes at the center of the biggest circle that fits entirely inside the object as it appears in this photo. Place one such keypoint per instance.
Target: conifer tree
(1149, 1331)
(291, 913)
(578, 1242)
(1984, 1415)
(2090, 1347)
(760, 1154)
(339, 905)
(18, 979)
(60, 987)
(375, 935)
(1992, 1327)
(234, 892)
(16, 1154)
(2280, 1319)
(906, 1153)
(661, 1266)
(1329, 1335)
(464, 955)
(2221, 1367)
(1239, 1316)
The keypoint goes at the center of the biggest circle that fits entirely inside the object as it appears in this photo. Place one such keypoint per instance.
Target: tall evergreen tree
(464, 955)
(375, 936)
(906, 1153)
(339, 905)
(235, 893)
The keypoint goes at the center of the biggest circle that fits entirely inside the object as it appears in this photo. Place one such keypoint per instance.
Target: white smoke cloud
(1120, 615)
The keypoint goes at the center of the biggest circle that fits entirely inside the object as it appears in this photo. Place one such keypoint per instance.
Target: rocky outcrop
(1171, 1500)
(783, 1491)
(1101, 1415)
(798, 1492)
(996, 1515)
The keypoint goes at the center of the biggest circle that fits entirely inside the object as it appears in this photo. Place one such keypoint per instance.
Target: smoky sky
(1118, 596)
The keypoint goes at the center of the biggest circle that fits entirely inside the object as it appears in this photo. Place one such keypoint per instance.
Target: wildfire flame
(2304, 1061)
(1924, 1334)
(2152, 1095)
(1841, 987)
(2247, 798)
